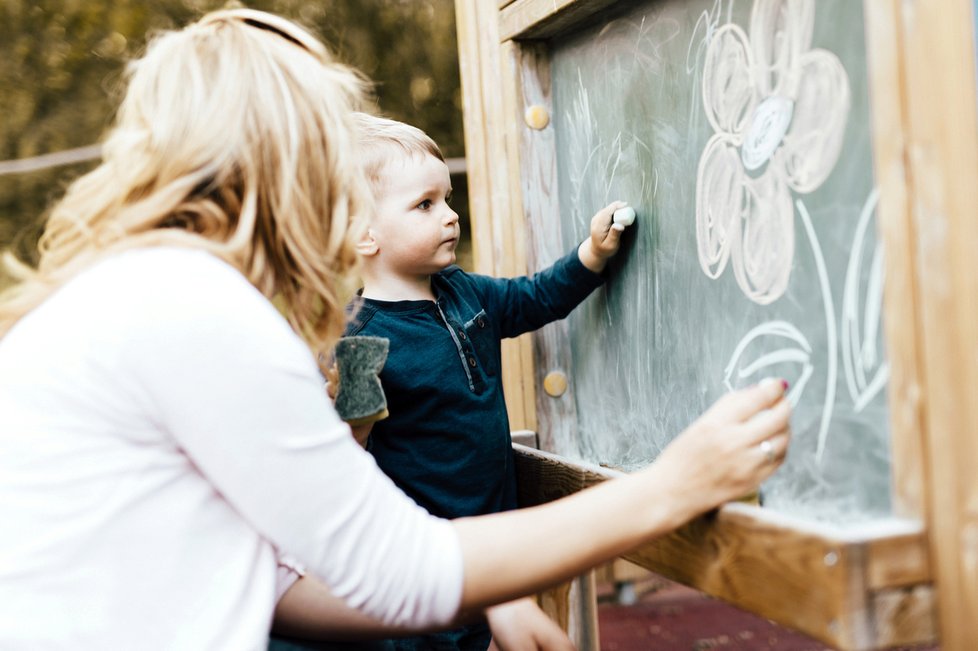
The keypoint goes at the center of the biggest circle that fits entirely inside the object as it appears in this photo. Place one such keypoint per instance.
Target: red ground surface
(670, 617)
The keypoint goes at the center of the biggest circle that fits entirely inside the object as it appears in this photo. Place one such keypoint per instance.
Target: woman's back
(152, 454)
(106, 518)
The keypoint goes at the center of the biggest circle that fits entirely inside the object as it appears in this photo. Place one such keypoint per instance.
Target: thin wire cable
(55, 159)
(92, 152)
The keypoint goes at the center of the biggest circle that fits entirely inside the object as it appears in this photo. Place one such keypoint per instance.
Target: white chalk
(624, 216)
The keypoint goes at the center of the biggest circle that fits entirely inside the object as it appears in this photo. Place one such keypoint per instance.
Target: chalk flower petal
(728, 86)
(780, 32)
(813, 142)
(719, 203)
(788, 122)
(761, 257)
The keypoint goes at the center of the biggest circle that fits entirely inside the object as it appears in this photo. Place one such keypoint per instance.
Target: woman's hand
(720, 457)
(729, 450)
(521, 626)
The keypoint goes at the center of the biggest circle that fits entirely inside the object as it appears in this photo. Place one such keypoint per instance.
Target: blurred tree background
(61, 65)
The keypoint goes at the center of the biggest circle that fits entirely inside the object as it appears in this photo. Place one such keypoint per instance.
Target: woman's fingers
(741, 405)
(746, 434)
(766, 436)
(768, 422)
(771, 450)
(761, 443)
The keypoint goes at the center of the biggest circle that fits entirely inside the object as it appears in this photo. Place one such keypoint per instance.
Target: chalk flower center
(768, 125)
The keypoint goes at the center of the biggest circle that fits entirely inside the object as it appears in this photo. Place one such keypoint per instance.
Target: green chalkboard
(740, 132)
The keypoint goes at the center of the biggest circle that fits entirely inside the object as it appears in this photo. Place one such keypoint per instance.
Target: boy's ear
(368, 245)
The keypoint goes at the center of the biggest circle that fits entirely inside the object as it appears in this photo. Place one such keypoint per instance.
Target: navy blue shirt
(446, 442)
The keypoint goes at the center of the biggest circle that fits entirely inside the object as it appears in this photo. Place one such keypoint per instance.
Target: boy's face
(415, 229)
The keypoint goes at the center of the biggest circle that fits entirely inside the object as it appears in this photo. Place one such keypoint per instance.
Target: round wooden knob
(536, 117)
(555, 384)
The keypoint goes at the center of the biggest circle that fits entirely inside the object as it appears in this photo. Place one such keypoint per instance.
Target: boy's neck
(397, 288)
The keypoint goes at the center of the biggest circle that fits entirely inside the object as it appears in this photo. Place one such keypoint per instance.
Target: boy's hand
(360, 432)
(605, 238)
(521, 626)
(332, 382)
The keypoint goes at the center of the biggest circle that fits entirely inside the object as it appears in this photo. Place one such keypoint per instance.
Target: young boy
(447, 442)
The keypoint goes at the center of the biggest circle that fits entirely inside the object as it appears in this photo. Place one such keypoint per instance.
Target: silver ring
(768, 449)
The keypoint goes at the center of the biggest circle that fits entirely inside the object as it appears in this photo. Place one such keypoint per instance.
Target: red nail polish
(784, 384)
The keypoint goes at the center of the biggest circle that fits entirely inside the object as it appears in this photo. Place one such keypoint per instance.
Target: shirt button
(461, 335)
(481, 322)
(472, 361)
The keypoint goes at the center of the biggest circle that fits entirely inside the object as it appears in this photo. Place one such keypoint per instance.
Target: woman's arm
(309, 610)
(716, 459)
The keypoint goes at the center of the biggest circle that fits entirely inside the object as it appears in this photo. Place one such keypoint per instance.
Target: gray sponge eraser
(360, 398)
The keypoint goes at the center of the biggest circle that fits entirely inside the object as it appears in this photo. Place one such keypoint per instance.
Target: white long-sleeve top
(163, 432)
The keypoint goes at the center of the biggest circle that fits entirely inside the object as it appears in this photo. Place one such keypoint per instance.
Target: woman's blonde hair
(235, 136)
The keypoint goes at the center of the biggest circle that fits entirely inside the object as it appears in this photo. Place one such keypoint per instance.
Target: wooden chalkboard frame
(852, 589)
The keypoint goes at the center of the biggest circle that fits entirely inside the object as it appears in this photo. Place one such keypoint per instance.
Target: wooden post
(939, 55)
(497, 229)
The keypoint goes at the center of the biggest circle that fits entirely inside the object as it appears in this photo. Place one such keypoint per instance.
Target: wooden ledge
(541, 19)
(854, 588)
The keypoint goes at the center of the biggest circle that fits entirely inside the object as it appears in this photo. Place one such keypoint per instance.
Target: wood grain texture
(621, 571)
(525, 437)
(897, 233)
(905, 616)
(574, 607)
(542, 19)
(556, 415)
(497, 248)
(819, 579)
(556, 603)
(511, 218)
(898, 560)
(939, 56)
(475, 74)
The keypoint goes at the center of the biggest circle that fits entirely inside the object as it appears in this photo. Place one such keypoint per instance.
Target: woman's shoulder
(167, 265)
(171, 283)
(175, 273)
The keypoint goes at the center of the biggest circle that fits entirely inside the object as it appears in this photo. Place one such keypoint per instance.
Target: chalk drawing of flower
(778, 110)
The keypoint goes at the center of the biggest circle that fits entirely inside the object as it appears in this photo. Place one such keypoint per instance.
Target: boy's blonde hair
(381, 137)
(235, 136)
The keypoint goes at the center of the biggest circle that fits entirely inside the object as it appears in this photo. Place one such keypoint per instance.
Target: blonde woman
(164, 435)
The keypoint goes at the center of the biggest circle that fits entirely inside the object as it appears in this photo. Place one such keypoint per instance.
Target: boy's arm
(310, 611)
(524, 304)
